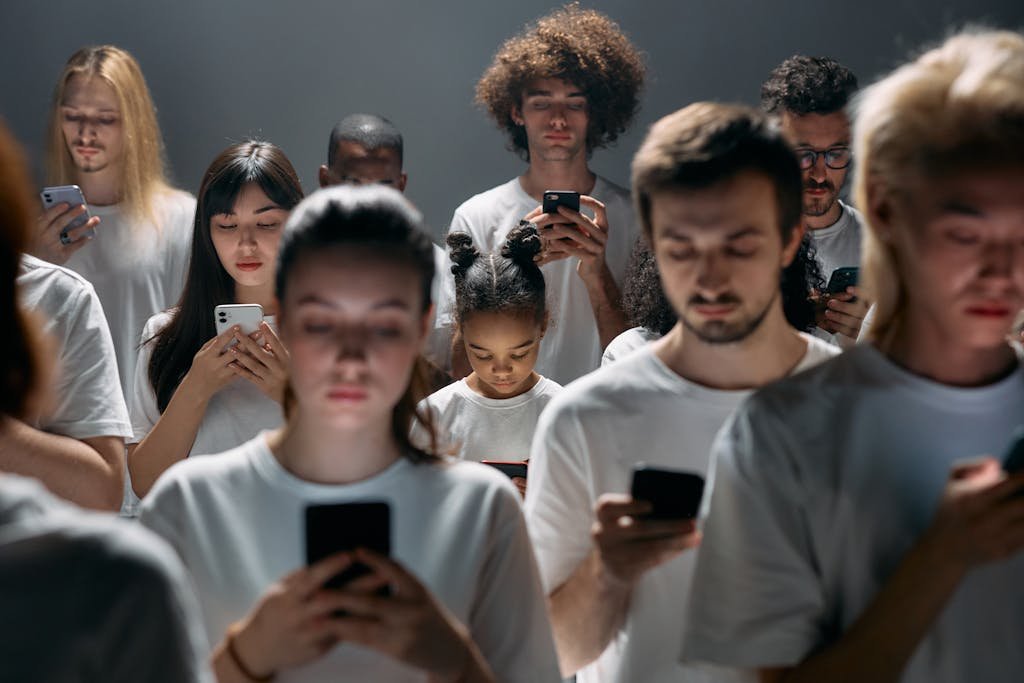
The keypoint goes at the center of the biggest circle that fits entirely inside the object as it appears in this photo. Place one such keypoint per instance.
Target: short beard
(819, 207)
(718, 332)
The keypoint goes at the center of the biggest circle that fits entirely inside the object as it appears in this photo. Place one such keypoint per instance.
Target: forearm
(70, 468)
(169, 441)
(606, 302)
(225, 670)
(879, 644)
(586, 612)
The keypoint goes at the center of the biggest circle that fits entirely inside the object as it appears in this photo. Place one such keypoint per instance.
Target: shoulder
(445, 396)
(488, 205)
(54, 277)
(209, 477)
(818, 351)
(604, 391)
(856, 218)
(611, 191)
(157, 322)
(630, 340)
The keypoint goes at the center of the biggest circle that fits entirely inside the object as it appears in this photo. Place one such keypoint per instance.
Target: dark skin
(357, 165)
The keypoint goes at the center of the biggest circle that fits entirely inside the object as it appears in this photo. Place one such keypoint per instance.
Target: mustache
(722, 300)
(815, 185)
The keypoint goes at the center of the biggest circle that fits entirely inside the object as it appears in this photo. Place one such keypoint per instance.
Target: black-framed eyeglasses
(835, 157)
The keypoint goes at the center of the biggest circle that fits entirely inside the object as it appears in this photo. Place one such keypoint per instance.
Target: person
(368, 149)
(103, 136)
(854, 533)
(808, 96)
(196, 391)
(76, 446)
(566, 86)
(718, 195)
(645, 306)
(137, 620)
(353, 282)
(503, 315)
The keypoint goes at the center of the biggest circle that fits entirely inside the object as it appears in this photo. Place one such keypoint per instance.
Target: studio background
(221, 71)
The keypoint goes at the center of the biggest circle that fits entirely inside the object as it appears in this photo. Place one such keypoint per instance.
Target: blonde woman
(103, 137)
(861, 526)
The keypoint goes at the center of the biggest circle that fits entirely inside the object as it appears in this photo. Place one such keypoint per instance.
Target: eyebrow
(511, 348)
(387, 303)
(102, 110)
(748, 231)
(548, 93)
(845, 142)
(960, 209)
(268, 207)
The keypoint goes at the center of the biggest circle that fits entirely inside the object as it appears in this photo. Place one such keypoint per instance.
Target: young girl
(195, 391)
(353, 283)
(502, 314)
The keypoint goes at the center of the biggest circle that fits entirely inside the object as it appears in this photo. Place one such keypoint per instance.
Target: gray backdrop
(221, 71)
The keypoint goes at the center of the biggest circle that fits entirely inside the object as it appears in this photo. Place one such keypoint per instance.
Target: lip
(347, 394)
(816, 191)
(249, 266)
(716, 311)
(87, 151)
(561, 137)
(989, 310)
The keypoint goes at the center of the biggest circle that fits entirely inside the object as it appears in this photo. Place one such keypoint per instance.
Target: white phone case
(248, 316)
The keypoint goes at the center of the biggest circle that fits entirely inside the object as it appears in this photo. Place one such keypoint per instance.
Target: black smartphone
(510, 469)
(1013, 460)
(673, 494)
(338, 527)
(556, 198)
(842, 278)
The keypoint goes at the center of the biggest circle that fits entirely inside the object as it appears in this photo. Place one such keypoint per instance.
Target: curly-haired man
(565, 86)
(809, 96)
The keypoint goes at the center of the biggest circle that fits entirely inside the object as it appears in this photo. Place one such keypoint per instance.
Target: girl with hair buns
(502, 314)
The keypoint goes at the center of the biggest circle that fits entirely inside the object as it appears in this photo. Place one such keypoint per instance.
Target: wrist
(246, 655)
(606, 581)
(194, 390)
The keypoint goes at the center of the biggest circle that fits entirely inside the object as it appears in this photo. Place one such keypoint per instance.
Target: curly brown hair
(580, 46)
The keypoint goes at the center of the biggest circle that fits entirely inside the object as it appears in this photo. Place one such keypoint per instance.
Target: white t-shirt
(838, 246)
(632, 339)
(437, 348)
(477, 428)
(88, 597)
(572, 346)
(234, 414)
(87, 391)
(237, 520)
(588, 440)
(822, 484)
(137, 270)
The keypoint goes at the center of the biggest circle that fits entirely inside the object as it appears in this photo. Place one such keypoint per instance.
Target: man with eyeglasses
(809, 95)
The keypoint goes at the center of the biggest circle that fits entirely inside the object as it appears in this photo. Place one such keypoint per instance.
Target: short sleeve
(757, 598)
(559, 504)
(509, 619)
(142, 404)
(90, 400)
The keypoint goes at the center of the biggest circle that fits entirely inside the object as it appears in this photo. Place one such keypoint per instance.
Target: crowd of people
(472, 421)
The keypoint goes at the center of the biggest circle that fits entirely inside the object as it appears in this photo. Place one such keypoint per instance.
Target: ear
(324, 176)
(401, 182)
(879, 213)
(790, 249)
(517, 115)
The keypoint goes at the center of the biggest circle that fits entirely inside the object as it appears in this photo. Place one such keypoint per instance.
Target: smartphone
(1013, 460)
(673, 494)
(72, 196)
(338, 527)
(841, 279)
(248, 316)
(511, 469)
(556, 198)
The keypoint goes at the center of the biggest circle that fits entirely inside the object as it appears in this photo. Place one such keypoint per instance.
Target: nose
(558, 118)
(501, 367)
(818, 171)
(350, 346)
(712, 274)
(247, 239)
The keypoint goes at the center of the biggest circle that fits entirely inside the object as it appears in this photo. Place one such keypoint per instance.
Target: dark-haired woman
(501, 310)
(196, 391)
(464, 596)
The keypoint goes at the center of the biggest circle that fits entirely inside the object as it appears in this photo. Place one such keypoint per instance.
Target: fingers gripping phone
(556, 198)
(72, 196)
(340, 527)
(247, 316)
(842, 278)
(673, 494)
(510, 469)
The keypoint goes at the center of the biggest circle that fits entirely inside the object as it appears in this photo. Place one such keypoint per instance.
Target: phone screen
(673, 494)
(555, 198)
(339, 527)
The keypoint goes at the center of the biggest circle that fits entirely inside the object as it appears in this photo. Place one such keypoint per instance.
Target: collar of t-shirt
(596, 193)
(841, 225)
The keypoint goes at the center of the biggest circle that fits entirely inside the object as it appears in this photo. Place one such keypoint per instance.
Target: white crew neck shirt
(475, 427)
(636, 410)
(137, 270)
(626, 343)
(237, 520)
(822, 484)
(571, 347)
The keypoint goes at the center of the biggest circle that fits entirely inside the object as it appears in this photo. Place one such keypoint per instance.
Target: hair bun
(522, 243)
(462, 251)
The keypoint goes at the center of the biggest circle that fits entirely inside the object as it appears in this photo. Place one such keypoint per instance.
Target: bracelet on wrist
(232, 650)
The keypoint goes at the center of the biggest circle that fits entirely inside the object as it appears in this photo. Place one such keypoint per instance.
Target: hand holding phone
(842, 278)
(246, 316)
(65, 225)
(673, 494)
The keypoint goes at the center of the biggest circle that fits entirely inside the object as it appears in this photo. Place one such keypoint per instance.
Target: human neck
(925, 350)
(324, 455)
(101, 188)
(769, 353)
(571, 174)
(257, 294)
(825, 220)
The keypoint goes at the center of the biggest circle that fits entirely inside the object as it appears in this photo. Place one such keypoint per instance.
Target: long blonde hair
(143, 168)
(959, 106)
